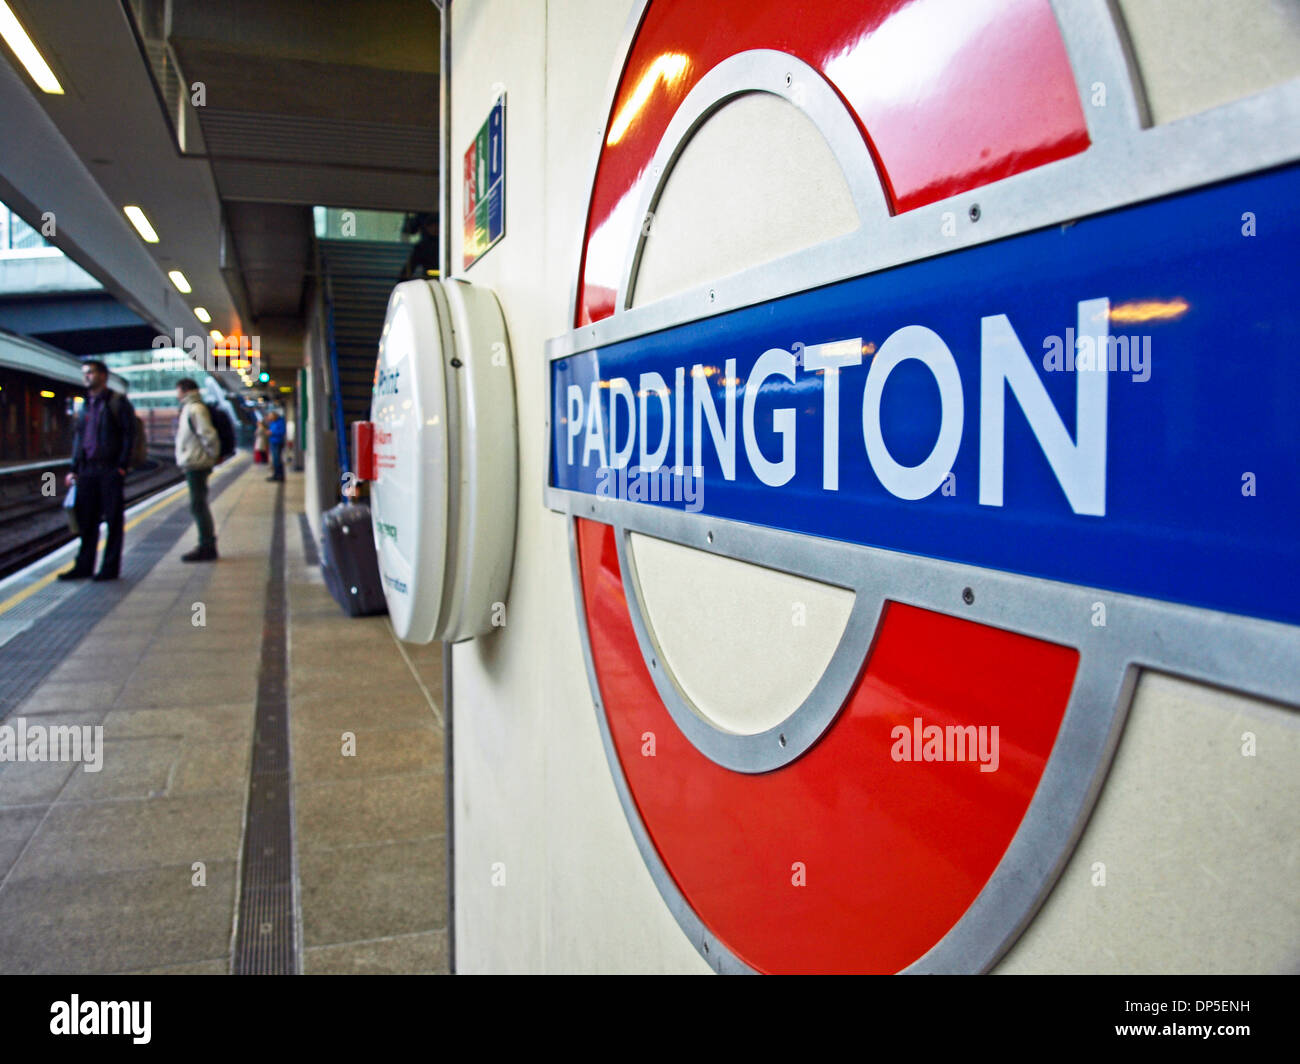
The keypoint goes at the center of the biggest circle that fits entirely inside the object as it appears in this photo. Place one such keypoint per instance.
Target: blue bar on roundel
(1111, 404)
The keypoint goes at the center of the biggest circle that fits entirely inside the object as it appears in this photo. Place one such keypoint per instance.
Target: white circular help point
(443, 499)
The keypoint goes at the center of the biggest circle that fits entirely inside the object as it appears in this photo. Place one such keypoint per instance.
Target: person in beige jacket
(197, 449)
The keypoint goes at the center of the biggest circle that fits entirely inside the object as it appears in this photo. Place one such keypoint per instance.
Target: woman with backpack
(198, 448)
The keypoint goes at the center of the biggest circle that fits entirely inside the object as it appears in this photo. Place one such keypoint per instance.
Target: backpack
(139, 442)
(225, 430)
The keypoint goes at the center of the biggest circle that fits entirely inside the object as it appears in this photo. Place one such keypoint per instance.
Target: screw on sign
(926, 776)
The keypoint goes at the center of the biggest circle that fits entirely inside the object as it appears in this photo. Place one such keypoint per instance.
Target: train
(854, 475)
(39, 389)
(41, 392)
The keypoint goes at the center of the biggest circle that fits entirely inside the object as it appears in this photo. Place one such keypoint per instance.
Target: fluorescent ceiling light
(202, 314)
(178, 278)
(141, 224)
(16, 37)
(216, 335)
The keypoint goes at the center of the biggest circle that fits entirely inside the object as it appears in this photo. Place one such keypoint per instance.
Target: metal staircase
(358, 276)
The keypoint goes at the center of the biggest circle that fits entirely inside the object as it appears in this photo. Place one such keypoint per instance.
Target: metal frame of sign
(1128, 161)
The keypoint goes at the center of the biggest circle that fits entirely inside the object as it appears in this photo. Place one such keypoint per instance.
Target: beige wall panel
(499, 706)
(757, 181)
(1197, 54)
(1201, 846)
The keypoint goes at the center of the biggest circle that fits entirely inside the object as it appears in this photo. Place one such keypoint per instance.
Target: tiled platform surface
(98, 870)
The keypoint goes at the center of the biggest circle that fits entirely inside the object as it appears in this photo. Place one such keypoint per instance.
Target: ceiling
(300, 103)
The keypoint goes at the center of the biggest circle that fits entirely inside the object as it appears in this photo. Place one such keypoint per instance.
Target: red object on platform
(363, 449)
(890, 852)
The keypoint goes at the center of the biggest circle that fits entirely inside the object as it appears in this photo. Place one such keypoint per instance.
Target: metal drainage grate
(266, 930)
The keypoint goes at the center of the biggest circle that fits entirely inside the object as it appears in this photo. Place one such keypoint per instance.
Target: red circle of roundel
(846, 859)
(949, 95)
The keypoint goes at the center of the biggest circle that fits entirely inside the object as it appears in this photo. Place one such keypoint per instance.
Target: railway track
(32, 525)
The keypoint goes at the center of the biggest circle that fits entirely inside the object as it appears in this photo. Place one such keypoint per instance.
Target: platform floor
(137, 867)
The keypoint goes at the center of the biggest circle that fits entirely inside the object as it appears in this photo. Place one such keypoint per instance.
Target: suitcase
(349, 562)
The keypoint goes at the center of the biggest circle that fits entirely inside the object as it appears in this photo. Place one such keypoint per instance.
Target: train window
(1193, 55)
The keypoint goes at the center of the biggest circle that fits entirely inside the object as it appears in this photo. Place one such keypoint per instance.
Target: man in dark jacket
(101, 452)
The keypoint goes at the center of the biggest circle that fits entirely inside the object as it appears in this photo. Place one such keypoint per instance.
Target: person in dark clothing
(101, 452)
(277, 430)
(423, 259)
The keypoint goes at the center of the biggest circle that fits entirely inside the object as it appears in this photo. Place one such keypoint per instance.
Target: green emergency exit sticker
(485, 185)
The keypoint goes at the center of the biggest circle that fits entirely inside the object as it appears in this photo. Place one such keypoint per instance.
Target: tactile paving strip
(31, 610)
(266, 927)
(31, 655)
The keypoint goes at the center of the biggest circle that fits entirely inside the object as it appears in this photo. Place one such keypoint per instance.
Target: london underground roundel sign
(951, 413)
